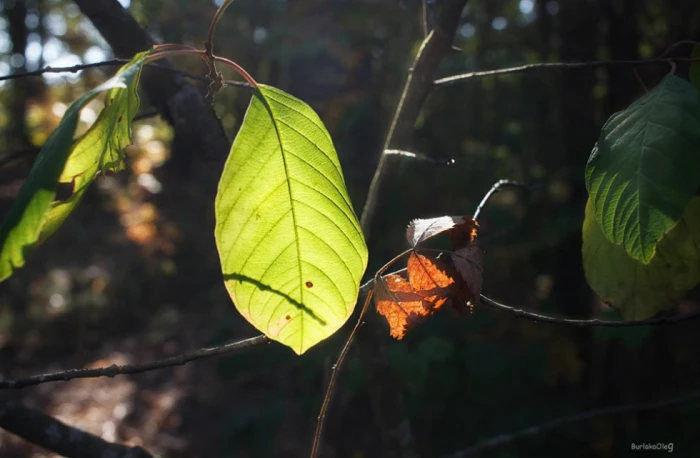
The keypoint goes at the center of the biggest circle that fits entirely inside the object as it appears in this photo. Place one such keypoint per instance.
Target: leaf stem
(203, 54)
(215, 22)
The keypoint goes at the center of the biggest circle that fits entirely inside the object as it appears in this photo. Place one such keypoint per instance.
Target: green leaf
(637, 290)
(291, 248)
(645, 166)
(695, 67)
(36, 214)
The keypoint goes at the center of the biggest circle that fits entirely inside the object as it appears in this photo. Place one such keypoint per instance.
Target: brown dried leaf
(405, 304)
(400, 305)
(469, 263)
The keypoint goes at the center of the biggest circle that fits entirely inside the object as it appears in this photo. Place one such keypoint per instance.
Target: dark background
(134, 276)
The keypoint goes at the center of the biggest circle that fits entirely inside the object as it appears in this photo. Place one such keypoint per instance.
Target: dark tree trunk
(16, 14)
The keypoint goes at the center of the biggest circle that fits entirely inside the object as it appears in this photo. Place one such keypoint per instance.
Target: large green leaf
(645, 166)
(36, 213)
(695, 67)
(637, 290)
(291, 247)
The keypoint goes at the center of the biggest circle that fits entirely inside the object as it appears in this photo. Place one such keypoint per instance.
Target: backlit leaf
(291, 248)
(645, 167)
(405, 304)
(637, 290)
(401, 306)
(36, 213)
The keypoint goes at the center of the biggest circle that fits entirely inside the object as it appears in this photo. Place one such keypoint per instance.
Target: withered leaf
(469, 263)
(405, 304)
(420, 230)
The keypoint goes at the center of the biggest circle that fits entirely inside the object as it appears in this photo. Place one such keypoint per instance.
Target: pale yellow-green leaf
(292, 251)
(637, 290)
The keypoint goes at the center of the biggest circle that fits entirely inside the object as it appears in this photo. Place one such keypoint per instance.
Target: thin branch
(520, 313)
(418, 85)
(532, 316)
(494, 189)
(386, 402)
(47, 432)
(504, 439)
(116, 63)
(335, 370)
(560, 65)
(72, 69)
(114, 369)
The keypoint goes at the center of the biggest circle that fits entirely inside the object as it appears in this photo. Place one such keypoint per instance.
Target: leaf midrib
(268, 106)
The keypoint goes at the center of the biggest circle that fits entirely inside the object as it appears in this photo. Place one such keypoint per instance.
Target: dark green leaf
(645, 167)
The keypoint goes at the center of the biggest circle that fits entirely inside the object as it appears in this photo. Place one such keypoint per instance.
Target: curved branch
(114, 369)
(504, 439)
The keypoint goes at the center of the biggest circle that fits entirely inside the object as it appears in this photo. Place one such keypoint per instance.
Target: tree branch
(586, 323)
(386, 401)
(114, 369)
(115, 63)
(560, 65)
(418, 85)
(47, 432)
(532, 316)
(504, 439)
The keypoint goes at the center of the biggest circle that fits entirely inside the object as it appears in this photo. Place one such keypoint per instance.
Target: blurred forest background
(134, 276)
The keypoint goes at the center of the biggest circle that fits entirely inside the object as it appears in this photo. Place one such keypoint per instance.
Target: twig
(504, 439)
(494, 189)
(418, 85)
(335, 370)
(116, 63)
(418, 157)
(73, 69)
(114, 369)
(586, 323)
(520, 313)
(385, 400)
(560, 65)
(216, 78)
(47, 432)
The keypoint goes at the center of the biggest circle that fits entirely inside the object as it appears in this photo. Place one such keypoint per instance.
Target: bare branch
(72, 69)
(560, 65)
(114, 369)
(418, 85)
(504, 439)
(494, 189)
(520, 313)
(385, 400)
(116, 63)
(47, 432)
(586, 323)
